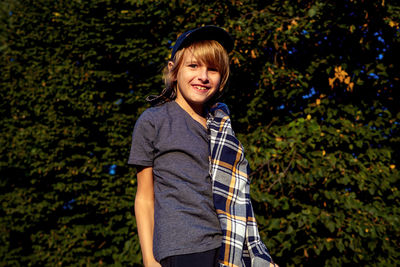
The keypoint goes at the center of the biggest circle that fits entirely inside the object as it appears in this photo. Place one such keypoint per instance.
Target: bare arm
(144, 213)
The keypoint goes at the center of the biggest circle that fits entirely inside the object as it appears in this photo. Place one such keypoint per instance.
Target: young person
(192, 204)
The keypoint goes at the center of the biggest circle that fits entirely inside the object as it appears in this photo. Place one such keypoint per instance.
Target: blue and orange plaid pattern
(229, 170)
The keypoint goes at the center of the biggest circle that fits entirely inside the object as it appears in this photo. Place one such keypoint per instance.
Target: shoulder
(157, 115)
(153, 113)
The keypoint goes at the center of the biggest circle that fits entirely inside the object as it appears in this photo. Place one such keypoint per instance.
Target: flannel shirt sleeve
(229, 169)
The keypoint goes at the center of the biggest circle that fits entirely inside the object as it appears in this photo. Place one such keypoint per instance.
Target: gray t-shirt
(176, 146)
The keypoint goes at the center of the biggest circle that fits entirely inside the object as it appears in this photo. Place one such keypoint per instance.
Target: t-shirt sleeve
(142, 148)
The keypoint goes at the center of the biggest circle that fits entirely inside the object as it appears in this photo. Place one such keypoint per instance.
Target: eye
(193, 65)
(213, 69)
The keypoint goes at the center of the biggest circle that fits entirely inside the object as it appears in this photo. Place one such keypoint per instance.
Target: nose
(203, 74)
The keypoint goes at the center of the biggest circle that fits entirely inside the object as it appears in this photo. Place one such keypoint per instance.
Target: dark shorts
(207, 258)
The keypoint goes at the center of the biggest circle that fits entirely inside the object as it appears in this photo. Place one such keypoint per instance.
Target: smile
(201, 88)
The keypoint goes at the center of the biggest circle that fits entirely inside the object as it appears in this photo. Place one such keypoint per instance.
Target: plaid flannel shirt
(229, 170)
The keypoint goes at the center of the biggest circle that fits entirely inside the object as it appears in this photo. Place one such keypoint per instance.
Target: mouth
(201, 87)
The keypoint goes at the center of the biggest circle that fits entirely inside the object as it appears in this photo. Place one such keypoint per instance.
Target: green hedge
(314, 96)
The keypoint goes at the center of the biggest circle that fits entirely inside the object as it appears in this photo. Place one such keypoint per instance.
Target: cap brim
(210, 33)
(204, 33)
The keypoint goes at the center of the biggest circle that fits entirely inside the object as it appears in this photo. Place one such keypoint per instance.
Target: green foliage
(313, 96)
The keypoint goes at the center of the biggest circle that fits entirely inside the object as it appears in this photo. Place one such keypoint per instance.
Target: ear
(170, 65)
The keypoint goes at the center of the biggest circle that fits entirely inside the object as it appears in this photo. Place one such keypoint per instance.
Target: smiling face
(197, 74)
(197, 82)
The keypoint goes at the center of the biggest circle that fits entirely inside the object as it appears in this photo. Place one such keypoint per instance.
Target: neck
(193, 110)
(196, 112)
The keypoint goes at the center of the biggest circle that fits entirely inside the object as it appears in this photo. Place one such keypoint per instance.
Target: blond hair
(208, 52)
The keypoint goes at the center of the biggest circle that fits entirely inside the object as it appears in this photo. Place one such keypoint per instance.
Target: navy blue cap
(204, 33)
